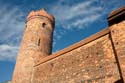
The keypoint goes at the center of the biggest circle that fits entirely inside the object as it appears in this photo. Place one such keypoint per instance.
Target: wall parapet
(116, 16)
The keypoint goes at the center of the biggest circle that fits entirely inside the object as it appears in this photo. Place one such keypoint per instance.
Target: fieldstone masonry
(99, 58)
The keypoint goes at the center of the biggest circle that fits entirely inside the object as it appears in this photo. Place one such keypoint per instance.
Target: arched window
(44, 25)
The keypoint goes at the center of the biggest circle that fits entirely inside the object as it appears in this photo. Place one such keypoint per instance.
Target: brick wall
(36, 43)
(92, 62)
(118, 37)
(97, 59)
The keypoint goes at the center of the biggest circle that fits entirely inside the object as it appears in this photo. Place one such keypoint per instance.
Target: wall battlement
(99, 58)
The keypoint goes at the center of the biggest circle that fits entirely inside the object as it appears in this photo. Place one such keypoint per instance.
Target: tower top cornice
(41, 12)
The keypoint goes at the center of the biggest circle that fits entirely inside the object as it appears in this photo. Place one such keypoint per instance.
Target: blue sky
(75, 20)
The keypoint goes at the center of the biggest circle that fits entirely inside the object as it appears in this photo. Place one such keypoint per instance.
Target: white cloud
(80, 15)
(75, 16)
(81, 23)
(8, 52)
(79, 9)
(10, 23)
(11, 29)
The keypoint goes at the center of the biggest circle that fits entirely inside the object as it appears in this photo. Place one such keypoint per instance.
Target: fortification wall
(91, 60)
(98, 59)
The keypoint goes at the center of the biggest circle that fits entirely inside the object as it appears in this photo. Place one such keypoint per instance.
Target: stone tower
(36, 44)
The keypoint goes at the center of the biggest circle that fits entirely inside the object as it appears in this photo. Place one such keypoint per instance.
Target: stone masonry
(36, 44)
(99, 58)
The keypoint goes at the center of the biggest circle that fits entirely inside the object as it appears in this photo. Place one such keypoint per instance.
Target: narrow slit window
(39, 42)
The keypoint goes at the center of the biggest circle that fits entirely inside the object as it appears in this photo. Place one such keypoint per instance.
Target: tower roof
(41, 12)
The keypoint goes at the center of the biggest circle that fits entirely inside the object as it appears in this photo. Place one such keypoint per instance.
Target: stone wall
(97, 59)
(118, 38)
(36, 43)
(89, 62)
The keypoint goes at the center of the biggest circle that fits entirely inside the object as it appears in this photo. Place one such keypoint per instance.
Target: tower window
(44, 25)
(39, 42)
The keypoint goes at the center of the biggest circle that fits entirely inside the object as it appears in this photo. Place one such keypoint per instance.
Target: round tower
(36, 44)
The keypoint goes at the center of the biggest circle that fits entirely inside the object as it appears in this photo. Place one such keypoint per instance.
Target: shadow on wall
(119, 81)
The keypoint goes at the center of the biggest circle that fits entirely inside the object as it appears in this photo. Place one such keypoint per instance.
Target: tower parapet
(42, 12)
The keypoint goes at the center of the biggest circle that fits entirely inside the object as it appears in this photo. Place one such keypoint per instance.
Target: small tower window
(39, 42)
(44, 25)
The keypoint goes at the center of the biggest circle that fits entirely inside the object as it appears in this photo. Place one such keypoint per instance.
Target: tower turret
(36, 44)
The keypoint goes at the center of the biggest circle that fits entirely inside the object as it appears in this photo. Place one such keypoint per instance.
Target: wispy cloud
(81, 23)
(8, 52)
(10, 23)
(77, 15)
(80, 15)
(11, 29)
